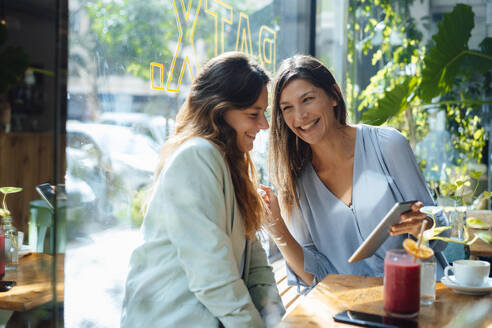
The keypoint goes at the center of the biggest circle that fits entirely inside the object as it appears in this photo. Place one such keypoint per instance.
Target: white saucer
(467, 290)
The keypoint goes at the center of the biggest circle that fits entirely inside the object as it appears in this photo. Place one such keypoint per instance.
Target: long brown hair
(229, 81)
(288, 154)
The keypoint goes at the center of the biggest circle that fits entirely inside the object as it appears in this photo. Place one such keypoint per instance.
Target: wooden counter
(337, 293)
(34, 282)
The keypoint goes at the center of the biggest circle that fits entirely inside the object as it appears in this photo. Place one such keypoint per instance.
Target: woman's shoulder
(195, 155)
(197, 147)
(197, 159)
(388, 137)
(305, 174)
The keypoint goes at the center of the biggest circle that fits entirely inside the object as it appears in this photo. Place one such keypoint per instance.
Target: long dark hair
(287, 154)
(229, 81)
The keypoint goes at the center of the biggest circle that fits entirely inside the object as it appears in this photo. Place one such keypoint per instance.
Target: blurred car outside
(113, 160)
(81, 203)
(155, 127)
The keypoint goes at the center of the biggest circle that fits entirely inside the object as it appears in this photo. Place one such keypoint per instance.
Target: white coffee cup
(469, 272)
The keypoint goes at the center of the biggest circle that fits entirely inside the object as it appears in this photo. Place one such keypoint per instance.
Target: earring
(297, 144)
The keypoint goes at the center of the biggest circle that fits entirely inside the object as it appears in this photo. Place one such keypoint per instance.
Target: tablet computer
(381, 232)
(48, 191)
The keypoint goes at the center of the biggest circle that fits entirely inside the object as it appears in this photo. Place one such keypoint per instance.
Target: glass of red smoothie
(401, 284)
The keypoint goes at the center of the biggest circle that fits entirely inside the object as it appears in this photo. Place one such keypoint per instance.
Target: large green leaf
(444, 59)
(474, 61)
(10, 190)
(483, 60)
(486, 46)
(393, 103)
(486, 237)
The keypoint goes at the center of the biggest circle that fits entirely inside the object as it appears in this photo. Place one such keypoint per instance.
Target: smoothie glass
(401, 284)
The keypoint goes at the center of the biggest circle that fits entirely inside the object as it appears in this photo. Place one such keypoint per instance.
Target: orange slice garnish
(423, 252)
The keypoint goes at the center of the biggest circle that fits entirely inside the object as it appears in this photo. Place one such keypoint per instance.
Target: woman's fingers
(417, 206)
(265, 188)
(264, 192)
(412, 215)
(411, 221)
(415, 211)
(271, 201)
(269, 195)
(405, 227)
(411, 226)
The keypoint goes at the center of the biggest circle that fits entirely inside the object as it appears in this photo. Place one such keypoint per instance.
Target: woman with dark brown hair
(336, 181)
(200, 264)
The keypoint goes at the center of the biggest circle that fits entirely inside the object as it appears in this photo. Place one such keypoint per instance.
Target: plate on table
(450, 282)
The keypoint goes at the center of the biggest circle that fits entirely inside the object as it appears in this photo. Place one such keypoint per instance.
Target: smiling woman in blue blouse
(335, 181)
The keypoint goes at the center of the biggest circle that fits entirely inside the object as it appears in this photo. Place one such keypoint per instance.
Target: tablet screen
(47, 191)
(381, 232)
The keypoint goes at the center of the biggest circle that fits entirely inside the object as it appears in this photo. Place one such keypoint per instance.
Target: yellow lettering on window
(160, 67)
(187, 50)
(226, 16)
(267, 44)
(244, 31)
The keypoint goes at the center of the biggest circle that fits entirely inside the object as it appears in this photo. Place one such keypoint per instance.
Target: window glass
(130, 67)
(330, 36)
(32, 102)
(393, 55)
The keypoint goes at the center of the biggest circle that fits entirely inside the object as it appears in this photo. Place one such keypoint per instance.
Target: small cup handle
(446, 271)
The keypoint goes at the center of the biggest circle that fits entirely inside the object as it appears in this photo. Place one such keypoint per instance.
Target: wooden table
(337, 293)
(34, 282)
(480, 248)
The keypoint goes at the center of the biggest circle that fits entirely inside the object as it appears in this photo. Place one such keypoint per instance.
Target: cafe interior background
(92, 90)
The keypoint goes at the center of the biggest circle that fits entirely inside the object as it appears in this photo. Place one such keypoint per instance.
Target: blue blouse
(385, 172)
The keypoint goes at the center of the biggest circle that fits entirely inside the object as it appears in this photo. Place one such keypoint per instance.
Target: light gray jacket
(187, 271)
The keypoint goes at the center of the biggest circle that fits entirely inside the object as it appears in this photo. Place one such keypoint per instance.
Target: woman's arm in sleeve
(262, 286)
(315, 263)
(402, 165)
(195, 218)
(305, 265)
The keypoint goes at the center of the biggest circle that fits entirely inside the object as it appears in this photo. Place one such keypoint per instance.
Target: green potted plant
(428, 85)
(435, 232)
(11, 245)
(461, 190)
(4, 211)
(14, 62)
(446, 77)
